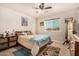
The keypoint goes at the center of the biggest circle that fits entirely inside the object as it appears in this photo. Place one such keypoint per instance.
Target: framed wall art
(41, 23)
(24, 21)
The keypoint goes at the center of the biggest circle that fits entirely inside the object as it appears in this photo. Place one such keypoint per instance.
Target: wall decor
(24, 21)
(41, 23)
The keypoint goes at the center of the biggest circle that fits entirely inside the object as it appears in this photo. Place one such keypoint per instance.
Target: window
(51, 24)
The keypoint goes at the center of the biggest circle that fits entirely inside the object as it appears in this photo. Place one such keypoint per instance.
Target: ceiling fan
(42, 7)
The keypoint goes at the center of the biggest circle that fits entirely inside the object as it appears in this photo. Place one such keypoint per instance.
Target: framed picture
(41, 23)
(24, 21)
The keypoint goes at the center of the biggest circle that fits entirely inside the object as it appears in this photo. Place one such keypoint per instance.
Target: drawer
(13, 38)
(77, 53)
(3, 40)
(2, 46)
(12, 43)
(77, 44)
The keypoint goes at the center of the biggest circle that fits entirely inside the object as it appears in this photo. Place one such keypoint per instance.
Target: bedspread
(35, 41)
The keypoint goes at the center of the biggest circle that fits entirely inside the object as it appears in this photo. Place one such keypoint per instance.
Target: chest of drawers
(74, 45)
(7, 42)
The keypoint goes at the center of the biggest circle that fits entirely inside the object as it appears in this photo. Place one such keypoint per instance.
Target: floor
(64, 51)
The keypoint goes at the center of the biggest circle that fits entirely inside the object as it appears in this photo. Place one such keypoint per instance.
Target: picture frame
(41, 23)
(24, 21)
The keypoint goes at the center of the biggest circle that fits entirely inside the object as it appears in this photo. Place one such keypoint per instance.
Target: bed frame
(20, 32)
(30, 33)
(41, 49)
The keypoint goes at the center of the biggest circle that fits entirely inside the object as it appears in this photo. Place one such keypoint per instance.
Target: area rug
(22, 52)
(50, 51)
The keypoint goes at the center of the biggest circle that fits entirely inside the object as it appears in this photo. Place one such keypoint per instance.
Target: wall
(57, 35)
(10, 19)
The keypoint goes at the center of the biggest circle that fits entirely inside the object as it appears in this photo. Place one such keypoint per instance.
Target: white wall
(10, 19)
(57, 35)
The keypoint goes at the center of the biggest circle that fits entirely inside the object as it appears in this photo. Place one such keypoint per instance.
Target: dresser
(8, 42)
(74, 45)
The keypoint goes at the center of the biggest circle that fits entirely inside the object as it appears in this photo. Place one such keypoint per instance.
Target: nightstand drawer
(3, 40)
(12, 43)
(12, 38)
(2, 46)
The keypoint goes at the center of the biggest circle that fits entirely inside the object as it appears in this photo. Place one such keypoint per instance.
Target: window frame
(54, 29)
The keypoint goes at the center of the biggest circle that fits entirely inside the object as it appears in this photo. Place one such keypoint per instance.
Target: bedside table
(8, 42)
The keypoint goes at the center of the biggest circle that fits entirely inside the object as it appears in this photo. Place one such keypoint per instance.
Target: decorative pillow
(4, 34)
(24, 33)
(29, 33)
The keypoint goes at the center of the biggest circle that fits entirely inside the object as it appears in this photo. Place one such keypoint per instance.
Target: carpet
(22, 52)
(48, 51)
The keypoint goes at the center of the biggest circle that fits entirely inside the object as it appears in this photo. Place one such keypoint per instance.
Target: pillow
(23, 33)
(29, 33)
(4, 34)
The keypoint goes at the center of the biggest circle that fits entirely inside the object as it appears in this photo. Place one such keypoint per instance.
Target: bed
(33, 42)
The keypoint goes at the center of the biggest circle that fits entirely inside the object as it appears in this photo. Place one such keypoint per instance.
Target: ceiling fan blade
(47, 7)
(35, 7)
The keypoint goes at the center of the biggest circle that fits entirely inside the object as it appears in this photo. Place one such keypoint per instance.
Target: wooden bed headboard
(20, 32)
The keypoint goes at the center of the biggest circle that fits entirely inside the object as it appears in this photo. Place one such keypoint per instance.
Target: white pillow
(24, 33)
(4, 34)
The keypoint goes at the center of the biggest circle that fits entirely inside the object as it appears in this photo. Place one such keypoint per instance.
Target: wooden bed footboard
(41, 49)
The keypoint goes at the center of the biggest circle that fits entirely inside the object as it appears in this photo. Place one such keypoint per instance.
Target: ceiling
(27, 8)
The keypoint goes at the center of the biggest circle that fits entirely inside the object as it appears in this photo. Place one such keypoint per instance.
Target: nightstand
(8, 42)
